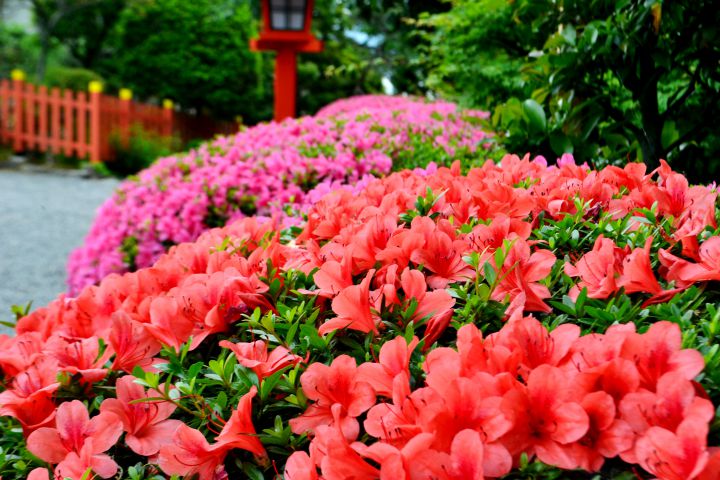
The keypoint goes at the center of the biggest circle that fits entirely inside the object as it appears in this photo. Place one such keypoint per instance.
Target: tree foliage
(389, 31)
(342, 69)
(17, 50)
(195, 53)
(72, 22)
(596, 77)
(85, 29)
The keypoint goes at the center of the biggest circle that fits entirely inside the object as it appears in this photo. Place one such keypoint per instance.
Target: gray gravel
(43, 217)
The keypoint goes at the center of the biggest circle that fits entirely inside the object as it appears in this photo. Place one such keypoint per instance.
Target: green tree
(476, 50)
(342, 69)
(394, 39)
(66, 20)
(606, 79)
(195, 53)
(85, 31)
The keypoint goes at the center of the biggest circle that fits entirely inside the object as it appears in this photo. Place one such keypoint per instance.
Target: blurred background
(607, 80)
(197, 53)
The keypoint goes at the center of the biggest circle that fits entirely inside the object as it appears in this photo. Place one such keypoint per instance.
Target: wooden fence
(81, 124)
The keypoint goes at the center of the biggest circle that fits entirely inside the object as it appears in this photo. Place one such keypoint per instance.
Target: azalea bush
(519, 321)
(267, 170)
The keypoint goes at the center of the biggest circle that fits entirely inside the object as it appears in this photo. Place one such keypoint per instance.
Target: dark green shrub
(16, 49)
(139, 150)
(76, 79)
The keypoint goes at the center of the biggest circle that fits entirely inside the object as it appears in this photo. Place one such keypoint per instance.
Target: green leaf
(195, 369)
(535, 115)
(490, 274)
(252, 472)
(267, 385)
(569, 34)
(292, 331)
(669, 134)
(560, 143)
(580, 301)
(229, 367)
(221, 400)
(590, 34)
(615, 140)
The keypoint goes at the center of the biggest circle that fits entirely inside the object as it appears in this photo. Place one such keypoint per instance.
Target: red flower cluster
(190, 453)
(607, 268)
(136, 313)
(362, 232)
(386, 256)
(570, 401)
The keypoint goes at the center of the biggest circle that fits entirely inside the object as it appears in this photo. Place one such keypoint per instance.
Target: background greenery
(607, 80)
(196, 53)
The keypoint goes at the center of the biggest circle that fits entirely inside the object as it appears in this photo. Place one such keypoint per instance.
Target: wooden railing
(81, 124)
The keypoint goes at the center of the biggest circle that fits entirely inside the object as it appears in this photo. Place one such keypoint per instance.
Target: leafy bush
(139, 151)
(388, 336)
(607, 80)
(18, 49)
(476, 51)
(266, 170)
(76, 79)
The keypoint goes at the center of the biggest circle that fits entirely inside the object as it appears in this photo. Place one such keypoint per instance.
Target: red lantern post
(286, 29)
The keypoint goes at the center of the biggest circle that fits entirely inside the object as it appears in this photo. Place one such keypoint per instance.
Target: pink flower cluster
(262, 170)
(568, 400)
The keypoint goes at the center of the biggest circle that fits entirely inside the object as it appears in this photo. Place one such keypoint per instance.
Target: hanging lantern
(289, 14)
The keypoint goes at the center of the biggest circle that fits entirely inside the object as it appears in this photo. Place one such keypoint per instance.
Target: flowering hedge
(266, 170)
(513, 321)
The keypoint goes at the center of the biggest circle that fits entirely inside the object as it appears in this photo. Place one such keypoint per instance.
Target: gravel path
(43, 217)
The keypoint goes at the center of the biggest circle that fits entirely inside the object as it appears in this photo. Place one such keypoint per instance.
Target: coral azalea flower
(78, 442)
(256, 357)
(337, 384)
(146, 423)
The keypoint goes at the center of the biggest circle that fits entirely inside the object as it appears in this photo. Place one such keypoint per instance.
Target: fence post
(95, 88)
(42, 103)
(68, 122)
(125, 100)
(168, 112)
(18, 78)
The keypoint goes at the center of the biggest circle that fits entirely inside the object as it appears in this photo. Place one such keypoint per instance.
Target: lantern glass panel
(297, 21)
(287, 14)
(279, 21)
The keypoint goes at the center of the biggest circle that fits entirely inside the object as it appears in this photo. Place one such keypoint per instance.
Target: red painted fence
(80, 124)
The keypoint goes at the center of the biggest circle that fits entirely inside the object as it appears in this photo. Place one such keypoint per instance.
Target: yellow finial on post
(168, 104)
(125, 94)
(17, 74)
(95, 87)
